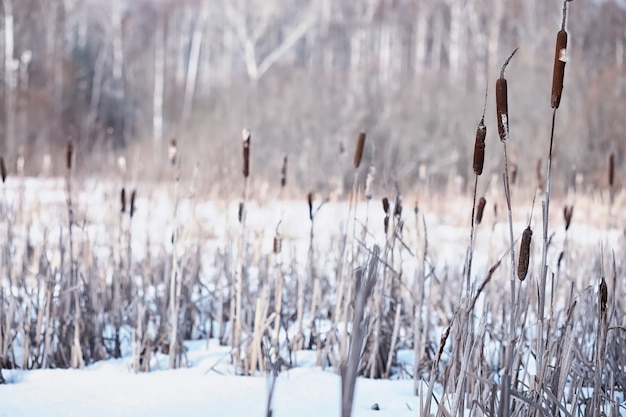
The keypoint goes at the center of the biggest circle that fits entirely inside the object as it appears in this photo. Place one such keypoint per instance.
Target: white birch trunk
(159, 84)
(10, 76)
(192, 65)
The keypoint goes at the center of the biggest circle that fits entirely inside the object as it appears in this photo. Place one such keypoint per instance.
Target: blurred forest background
(306, 76)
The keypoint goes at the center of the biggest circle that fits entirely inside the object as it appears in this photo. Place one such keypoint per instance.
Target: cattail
(611, 170)
(479, 147)
(358, 154)
(386, 205)
(123, 200)
(502, 105)
(3, 169)
(277, 243)
(246, 134)
(514, 171)
(172, 150)
(568, 211)
(309, 199)
(480, 210)
(558, 72)
(240, 213)
(524, 254)
(69, 150)
(397, 212)
(283, 172)
(603, 296)
(133, 194)
(386, 210)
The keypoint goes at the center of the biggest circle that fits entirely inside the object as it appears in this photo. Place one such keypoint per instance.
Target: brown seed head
(386, 205)
(246, 135)
(277, 243)
(480, 210)
(133, 194)
(611, 170)
(603, 296)
(397, 211)
(358, 154)
(309, 199)
(3, 169)
(240, 213)
(502, 105)
(502, 109)
(283, 172)
(524, 254)
(568, 211)
(123, 200)
(69, 150)
(558, 71)
(479, 147)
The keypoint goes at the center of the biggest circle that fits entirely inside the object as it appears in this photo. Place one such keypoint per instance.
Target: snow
(206, 387)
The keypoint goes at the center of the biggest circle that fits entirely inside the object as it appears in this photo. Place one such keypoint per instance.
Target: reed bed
(89, 276)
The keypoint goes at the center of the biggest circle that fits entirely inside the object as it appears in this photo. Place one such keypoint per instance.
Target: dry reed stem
(524, 254)
(358, 154)
(479, 147)
(480, 209)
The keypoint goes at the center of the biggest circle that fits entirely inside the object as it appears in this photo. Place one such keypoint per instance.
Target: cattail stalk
(558, 73)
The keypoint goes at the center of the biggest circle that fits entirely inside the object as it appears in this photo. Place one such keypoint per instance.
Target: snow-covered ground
(206, 388)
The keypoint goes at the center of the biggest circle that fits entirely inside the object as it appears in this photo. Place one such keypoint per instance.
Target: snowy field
(206, 388)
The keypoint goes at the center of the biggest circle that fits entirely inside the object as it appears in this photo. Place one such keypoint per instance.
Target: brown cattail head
(502, 104)
(172, 151)
(397, 211)
(386, 205)
(558, 71)
(240, 213)
(277, 243)
(604, 295)
(245, 135)
(524, 254)
(568, 211)
(309, 199)
(358, 154)
(69, 150)
(283, 172)
(133, 194)
(480, 210)
(123, 200)
(3, 170)
(502, 109)
(479, 147)
(611, 170)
